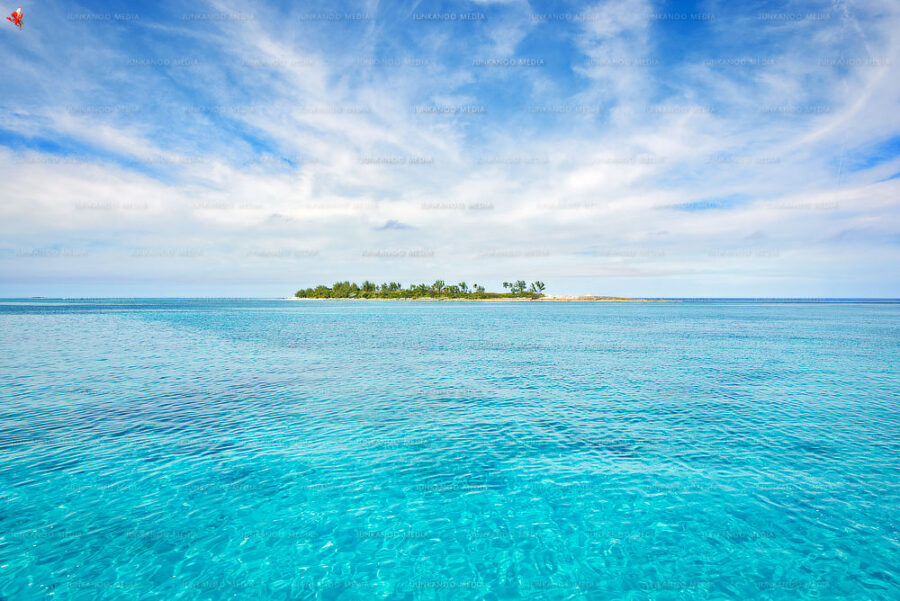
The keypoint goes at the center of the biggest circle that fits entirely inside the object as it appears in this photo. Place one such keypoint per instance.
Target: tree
(341, 289)
(344, 290)
(369, 289)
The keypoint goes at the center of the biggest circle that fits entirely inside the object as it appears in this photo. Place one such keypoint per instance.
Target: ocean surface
(248, 449)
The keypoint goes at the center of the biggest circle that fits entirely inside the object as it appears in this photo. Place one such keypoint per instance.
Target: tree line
(439, 289)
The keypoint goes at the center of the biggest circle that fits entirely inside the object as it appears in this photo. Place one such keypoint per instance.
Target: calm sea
(247, 449)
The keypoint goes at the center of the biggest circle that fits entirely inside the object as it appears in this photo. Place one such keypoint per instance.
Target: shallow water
(235, 449)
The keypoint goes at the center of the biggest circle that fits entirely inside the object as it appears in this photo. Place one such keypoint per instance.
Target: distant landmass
(440, 290)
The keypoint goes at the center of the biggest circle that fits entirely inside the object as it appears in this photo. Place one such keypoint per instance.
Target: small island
(440, 290)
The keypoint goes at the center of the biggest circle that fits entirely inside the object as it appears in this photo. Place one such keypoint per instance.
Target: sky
(629, 147)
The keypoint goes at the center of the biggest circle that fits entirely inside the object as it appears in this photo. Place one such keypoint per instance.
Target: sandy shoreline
(550, 298)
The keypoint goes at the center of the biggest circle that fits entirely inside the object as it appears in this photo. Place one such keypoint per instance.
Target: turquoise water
(231, 449)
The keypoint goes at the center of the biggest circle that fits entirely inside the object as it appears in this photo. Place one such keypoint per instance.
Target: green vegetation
(439, 289)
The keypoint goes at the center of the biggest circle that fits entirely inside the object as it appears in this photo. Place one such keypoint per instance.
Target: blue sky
(626, 148)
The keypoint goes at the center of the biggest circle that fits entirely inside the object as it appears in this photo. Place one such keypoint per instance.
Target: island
(518, 290)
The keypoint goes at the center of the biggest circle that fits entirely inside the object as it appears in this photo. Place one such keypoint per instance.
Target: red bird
(16, 18)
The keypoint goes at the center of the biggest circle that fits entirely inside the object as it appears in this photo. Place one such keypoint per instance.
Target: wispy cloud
(630, 147)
